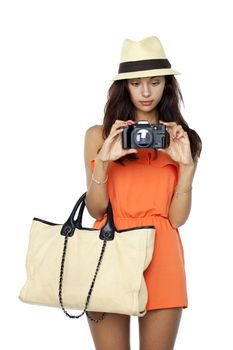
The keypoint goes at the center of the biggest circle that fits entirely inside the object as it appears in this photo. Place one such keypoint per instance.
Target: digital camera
(145, 135)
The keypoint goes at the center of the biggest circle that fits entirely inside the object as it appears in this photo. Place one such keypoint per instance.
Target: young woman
(146, 186)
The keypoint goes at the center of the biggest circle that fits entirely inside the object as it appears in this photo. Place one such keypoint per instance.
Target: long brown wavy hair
(119, 106)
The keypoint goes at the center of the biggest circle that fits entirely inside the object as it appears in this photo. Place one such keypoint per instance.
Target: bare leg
(158, 328)
(112, 333)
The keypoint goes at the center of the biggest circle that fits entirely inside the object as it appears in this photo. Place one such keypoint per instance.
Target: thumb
(132, 151)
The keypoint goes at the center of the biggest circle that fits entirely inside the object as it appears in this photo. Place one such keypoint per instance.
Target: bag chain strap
(92, 284)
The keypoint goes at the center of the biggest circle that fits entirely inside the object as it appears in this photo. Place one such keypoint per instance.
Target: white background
(57, 61)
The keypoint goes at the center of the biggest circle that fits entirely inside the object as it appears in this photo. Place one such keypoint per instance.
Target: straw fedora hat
(143, 58)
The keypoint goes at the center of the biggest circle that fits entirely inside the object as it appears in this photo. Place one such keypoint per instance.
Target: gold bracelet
(99, 182)
(176, 192)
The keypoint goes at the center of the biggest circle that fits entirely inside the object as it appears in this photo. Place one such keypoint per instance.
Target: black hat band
(134, 66)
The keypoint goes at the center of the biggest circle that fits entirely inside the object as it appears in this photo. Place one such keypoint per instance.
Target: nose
(145, 90)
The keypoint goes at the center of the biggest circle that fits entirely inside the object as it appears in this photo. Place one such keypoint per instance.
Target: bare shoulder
(95, 132)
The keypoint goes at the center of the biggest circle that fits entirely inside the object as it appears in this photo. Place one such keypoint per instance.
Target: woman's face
(148, 90)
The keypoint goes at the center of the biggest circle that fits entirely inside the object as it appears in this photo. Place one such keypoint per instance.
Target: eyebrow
(155, 77)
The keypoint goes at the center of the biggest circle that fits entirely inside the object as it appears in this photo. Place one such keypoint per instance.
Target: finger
(132, 150)
(169, 131)
(118, 131)
(176, 130)
(171, 127)
(118, 127)
(181, 134)
(164, 150)
(114, 133)
(119, 123)
(169, 124)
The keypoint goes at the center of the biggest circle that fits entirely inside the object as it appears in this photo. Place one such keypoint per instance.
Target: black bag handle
(107, 233)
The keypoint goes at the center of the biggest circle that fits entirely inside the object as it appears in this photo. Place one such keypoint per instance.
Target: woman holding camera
(146, 186)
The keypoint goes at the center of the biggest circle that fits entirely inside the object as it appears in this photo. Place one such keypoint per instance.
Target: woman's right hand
(112, 146)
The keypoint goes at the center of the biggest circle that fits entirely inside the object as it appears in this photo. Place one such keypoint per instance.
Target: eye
(155, 82)
(135, 83)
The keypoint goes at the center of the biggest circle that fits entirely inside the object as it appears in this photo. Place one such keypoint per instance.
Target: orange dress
(140, 194)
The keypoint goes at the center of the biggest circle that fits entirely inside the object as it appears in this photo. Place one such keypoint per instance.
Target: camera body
(145, 135)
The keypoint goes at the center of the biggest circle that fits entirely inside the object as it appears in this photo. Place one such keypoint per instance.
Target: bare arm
(96, 197)
(179, 150)
(181, 203)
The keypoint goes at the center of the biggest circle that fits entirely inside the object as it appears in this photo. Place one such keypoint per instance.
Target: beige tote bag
(74, 267)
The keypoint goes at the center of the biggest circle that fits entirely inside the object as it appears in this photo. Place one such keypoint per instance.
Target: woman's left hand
(179, 148)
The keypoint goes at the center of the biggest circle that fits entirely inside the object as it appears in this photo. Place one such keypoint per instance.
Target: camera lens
(143, 138)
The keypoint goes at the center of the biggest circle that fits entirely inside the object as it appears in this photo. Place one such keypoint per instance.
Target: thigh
(113, 332)
(158, 328)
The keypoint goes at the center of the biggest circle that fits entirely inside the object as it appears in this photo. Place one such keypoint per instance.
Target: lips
(146, 103)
